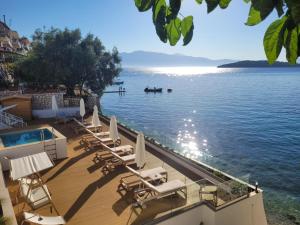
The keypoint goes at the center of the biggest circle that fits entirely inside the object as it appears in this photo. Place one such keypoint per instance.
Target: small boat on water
(152, 90)
(118, 82)
(169, 90)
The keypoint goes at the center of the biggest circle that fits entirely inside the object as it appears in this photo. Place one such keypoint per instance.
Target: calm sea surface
(245, 122)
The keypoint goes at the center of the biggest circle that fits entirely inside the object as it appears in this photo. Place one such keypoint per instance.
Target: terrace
(83, 194)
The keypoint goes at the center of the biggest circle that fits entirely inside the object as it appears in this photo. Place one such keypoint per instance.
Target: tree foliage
(63, 57)
(170, 25)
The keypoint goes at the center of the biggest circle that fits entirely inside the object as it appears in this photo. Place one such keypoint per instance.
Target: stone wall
(9, 93)
(91, 101)
(44, 100)
(71, 101)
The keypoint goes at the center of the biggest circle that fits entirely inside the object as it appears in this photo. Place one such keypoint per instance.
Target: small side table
(209, 193)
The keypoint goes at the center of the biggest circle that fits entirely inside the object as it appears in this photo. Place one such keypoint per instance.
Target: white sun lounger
(93, 141)
(102, 134)
(154, 174)
(123, 149)
(36, 196)
(149, 173)
(43, 220)
(118, 160)
(88, 127)
(160, 191)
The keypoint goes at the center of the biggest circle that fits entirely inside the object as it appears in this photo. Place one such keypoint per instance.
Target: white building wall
(6, 204)
(249, 211)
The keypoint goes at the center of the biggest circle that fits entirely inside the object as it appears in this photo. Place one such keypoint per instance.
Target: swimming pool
(25, 137)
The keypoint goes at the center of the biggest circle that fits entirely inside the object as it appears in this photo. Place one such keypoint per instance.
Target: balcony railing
(11, 120)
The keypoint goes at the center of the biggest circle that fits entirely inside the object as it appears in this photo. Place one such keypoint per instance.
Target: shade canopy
(54, 104)
(140, 150)
(113, 129)
(95, 119)
(82, 108)
(28, 165)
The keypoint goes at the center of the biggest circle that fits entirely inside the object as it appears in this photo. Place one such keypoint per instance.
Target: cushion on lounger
(149, 172)
(165, 187)
(127, 158)
(124, 158)
(121, 148)
(106, 133)
(105, 139)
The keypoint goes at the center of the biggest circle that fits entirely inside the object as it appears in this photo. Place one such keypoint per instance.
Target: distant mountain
(260, 63)
(143, 58)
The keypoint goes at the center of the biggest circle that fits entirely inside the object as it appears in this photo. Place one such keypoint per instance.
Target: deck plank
(84, 195)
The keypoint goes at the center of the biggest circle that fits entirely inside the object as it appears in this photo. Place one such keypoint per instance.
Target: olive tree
(63, 57)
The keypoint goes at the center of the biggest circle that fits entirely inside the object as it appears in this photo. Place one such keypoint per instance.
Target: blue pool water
(245, 122)
(27, 137)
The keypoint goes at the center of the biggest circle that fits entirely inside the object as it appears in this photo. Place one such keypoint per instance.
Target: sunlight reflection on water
(187, 143)
(184, 70)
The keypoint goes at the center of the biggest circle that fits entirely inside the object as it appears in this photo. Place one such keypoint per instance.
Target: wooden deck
(84, 195)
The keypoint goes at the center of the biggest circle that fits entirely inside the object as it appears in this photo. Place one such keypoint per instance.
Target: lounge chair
(35, 196)
(120, 150)
(77, 128)
(91, 135)
(92, 141)
(118, 160)
(94, 128)
(89, 126)
(157, 174)
(43, 220)
(151, 192)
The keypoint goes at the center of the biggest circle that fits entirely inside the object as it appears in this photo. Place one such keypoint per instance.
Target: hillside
(143, 58)
(260, 63)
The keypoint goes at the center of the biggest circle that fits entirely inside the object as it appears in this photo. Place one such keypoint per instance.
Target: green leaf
(174, 31)
(175, 7)
(159, 11)
(187, 29)
(143, 5)
(259, 10)
(224, 3)
(161, 32)
(294, 7)
(273, 39)
(253, 17)
(159, 19)
(291, 44)
(199, 1)
(211, 5)
(247, 1)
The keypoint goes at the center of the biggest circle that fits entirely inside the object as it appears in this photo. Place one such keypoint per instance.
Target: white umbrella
(82, 108)
(95, 120)
(113, 129)
(140, 151)
(54, 105)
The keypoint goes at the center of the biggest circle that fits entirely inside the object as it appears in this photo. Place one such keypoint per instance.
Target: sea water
(245, 122)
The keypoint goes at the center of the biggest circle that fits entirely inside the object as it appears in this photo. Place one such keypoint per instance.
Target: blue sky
(221, 34)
